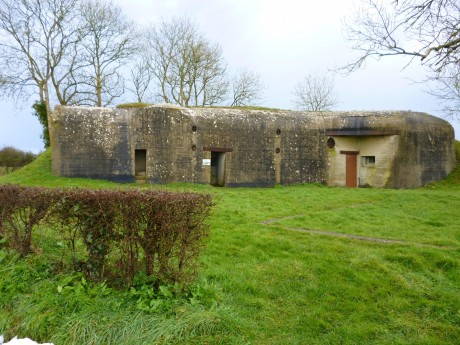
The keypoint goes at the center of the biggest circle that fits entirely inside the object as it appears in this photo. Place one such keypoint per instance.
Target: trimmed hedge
(113, 235)
(21, 210)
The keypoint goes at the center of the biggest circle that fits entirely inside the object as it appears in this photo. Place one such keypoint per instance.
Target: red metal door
(351, 171)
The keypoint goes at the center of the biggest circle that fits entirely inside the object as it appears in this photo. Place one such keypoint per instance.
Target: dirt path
(365, 238)
(349, 236)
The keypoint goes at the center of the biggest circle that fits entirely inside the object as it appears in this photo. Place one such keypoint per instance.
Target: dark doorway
(217, 169)
(140, 165)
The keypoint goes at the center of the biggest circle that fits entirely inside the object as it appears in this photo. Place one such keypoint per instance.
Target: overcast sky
(283, 41)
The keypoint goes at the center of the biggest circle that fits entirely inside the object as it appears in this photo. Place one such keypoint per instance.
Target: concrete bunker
(259, 148)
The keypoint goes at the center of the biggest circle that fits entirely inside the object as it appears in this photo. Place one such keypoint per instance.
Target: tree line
(87, 52)
(12, 159)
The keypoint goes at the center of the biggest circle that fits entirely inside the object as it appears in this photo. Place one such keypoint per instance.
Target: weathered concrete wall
(247, 138)
(167, 136)
(267, 147)
(251, 148)
(261, 148)
(426, 152)
(411, 149)
(382, 147)
(92, 142)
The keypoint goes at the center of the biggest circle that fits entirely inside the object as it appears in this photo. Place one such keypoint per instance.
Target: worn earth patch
(349, 236)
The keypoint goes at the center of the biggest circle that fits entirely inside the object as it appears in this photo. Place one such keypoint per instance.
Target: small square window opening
(368, 160)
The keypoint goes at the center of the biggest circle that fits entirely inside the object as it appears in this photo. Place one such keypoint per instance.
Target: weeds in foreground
(70, 310)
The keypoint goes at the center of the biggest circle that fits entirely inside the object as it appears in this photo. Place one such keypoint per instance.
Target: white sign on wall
(206, 162)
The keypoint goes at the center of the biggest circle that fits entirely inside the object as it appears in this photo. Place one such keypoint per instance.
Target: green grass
(38, 173)
(246, 107)
(269, 284)
(133, 105)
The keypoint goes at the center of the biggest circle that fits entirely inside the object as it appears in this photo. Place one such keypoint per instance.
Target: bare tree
(447, 90)
(423, 30)
(246, 88)
(108, 41)
(141, 79)
(189, 69)
(315, 93)
(208, 73)
(36, 38)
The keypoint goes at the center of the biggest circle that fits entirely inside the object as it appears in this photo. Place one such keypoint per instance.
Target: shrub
(168, 228)
(21, 209)
(113, 235)
(12, 158)
(8, 199)
(88, 216)
(42, 115)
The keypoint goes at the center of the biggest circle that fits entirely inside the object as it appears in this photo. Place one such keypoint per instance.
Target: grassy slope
(38, 173)
(279, 286)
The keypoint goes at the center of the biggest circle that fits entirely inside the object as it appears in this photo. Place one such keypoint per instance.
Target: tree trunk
(45, 94)
(99, 87)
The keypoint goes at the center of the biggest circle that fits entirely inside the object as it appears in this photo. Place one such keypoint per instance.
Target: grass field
(283, 265)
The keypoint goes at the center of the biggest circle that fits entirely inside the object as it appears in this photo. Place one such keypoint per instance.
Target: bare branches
(208, 69)
(447, 89)
(315, 93)
(246, 88)
(37, 35)
(108, 40)
(141, 78)
(428, 30)
(79, 52)
(189, 69)
(424, 29)
(70, 51)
